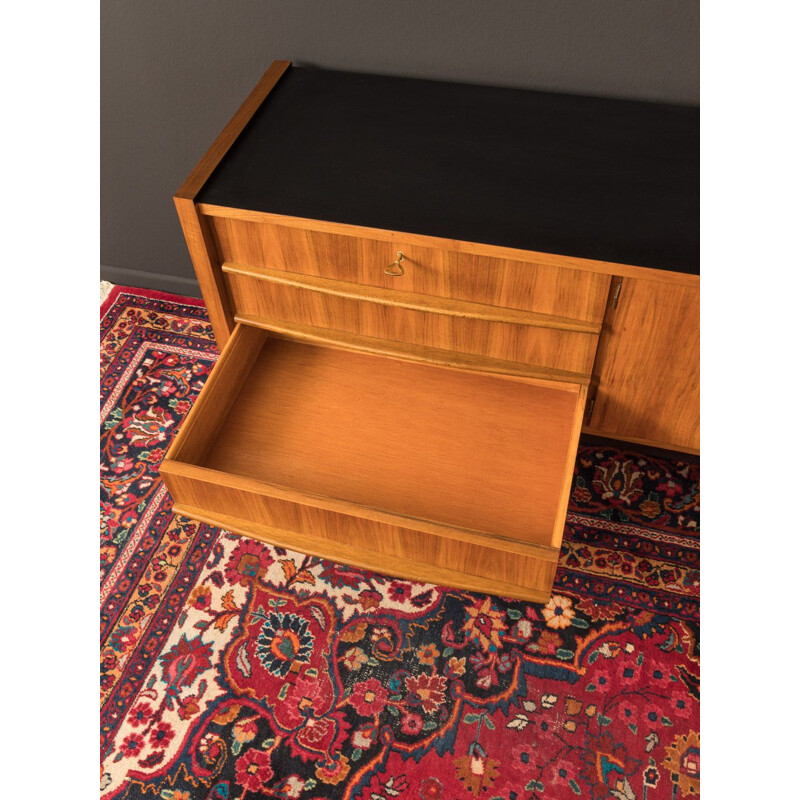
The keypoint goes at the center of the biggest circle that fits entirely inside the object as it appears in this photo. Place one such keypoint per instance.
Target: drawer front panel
(384, 548)
(328, 255)
(562, 292)
(571, 351)
(558, 291)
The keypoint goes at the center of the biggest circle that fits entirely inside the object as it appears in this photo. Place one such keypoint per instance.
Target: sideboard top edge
(475, 248)
(204, 168)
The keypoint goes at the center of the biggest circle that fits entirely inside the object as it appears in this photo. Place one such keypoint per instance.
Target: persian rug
(232, 669)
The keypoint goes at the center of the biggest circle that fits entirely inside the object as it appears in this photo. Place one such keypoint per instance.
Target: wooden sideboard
(424, 292)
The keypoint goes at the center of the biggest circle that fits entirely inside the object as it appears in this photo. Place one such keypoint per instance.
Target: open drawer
(457, 475)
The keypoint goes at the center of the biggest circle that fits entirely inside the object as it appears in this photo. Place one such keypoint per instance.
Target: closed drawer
(440, 272)
(405, 468)
(458, 326)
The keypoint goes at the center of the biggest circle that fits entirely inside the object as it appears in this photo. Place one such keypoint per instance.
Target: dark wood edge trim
(415, 302)
(208, 163)
(365, 559)
(180, 469)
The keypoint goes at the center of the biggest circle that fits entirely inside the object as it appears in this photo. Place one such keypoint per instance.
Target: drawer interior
(470, 450)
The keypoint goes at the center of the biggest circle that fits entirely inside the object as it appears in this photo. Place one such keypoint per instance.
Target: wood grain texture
(229, 480)
(208, 163)
(410, 439)
(415, 302)
(439, 271)
(203, 252)
(388, 542)
(540, 287)
(394, 238)
(537, 572)
(648, 367)
(199, 241)
(567, 475)
(423, 425)
(383, 545)
(550, 348)
(218, 396)
(557, 379)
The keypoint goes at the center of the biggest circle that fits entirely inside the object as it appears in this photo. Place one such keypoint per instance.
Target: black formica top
(613, 180)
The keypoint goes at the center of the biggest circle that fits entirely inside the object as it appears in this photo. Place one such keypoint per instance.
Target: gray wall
(174, 71)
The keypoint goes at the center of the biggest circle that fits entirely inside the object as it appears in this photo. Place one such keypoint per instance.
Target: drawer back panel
(544, 347)
(439, 272)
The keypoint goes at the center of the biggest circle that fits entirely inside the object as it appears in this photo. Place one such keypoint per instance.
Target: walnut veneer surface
(418, 285)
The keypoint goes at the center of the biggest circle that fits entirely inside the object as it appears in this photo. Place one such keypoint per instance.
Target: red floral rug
(230, 669)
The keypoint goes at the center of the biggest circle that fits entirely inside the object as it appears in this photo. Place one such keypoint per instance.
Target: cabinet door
(648, 366)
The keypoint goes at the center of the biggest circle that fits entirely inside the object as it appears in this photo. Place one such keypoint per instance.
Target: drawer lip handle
(395, 269)
(432, 304)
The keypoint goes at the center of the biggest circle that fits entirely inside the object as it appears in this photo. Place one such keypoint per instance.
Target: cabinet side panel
(207, 266)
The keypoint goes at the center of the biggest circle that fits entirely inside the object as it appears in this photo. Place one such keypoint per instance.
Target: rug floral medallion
(233, 669)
